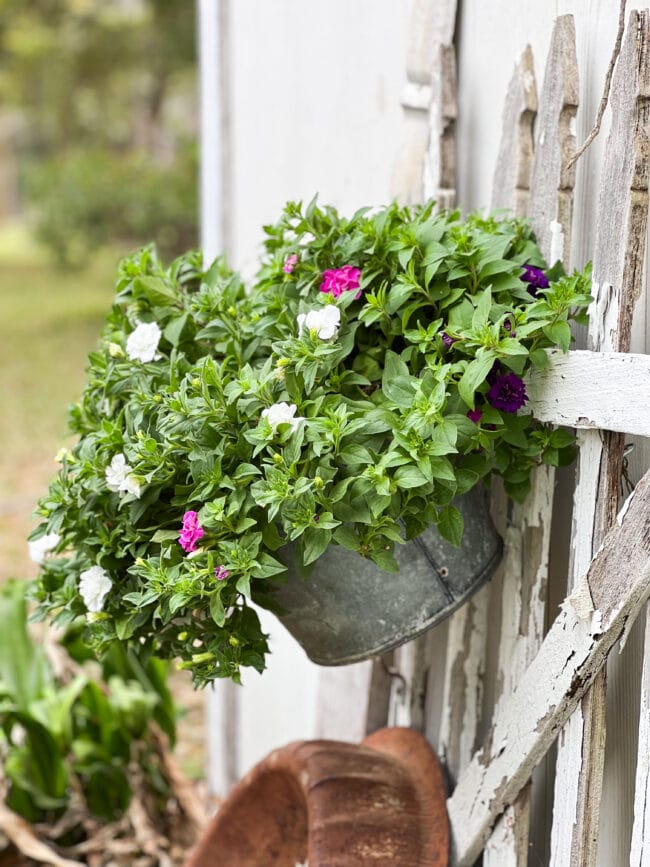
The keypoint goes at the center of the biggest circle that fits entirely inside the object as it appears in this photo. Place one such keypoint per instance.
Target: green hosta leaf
(450, 524)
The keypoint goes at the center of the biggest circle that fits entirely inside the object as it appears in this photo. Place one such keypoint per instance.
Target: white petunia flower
(142, 343)
(94, 584)
(119, 478)
(282, 413)
(325, 321)
(40, 547)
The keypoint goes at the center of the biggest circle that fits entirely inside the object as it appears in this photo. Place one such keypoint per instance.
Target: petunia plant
(373, 371)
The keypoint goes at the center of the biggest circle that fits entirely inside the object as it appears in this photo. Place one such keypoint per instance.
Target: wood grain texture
(432, 24)
(618, 263)
(570, 391)
(439, 174)
(524, 588)
(511, 185)
(463, 683)
(593, 617)
(551, 199)
(640, 848)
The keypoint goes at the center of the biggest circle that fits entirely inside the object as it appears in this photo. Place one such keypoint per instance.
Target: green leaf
(474, 375)
(409, 477)
(559, 333)
(398, 294)
(155, 290)
(174, 329)
(346, 537)
(450, 525)
(482, 312)
(217, 611)
(315, 542)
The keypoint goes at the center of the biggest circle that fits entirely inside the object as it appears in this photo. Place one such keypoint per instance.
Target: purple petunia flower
(447, 340)
(508, 392)
(339, 280)
(191, 533)
(535, 278)
(494, 372)
(221, 573)
(474, 415)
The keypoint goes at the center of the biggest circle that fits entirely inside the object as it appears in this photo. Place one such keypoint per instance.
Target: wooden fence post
(618, 263)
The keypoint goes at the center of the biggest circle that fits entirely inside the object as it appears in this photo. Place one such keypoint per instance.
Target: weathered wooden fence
(505, 678)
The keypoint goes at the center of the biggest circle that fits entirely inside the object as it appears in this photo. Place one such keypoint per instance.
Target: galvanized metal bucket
(349, 609)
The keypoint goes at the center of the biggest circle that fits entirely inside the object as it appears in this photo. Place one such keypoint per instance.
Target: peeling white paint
(626, 505)
(557, 242)
(580, 600)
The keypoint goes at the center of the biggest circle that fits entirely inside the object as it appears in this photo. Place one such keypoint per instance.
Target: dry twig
(605, 97)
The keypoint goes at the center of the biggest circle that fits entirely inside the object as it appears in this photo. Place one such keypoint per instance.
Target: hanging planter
(327, 803)
(332, 418)
(347, 610)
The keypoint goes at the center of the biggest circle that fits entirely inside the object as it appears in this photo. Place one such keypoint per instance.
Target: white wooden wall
(313, 105)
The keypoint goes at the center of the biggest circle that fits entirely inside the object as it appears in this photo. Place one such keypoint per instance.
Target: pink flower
(191, 533)
(290, 263)
(221, 573)
(339, 280)
(474, 415)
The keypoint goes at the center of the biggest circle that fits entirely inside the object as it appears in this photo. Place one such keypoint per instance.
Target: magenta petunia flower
(507, 392)
(191, 533)
(339, 280)
(535, 278)
(221, 573)
(474, 415)
(290, 263)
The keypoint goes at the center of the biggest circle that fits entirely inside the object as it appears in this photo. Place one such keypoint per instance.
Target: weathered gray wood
(511, 185)
(604, 602)
(410, 670)
(551, 197)
(618, 262)
(439, 177)
(432, 24)
(640, 848)
(463, 683)
(406, 182)
(426, 165)
(570, 391)
(508, 843)
(524, 588)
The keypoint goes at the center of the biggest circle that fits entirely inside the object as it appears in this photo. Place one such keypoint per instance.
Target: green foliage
(60, 735)
(88, 197)
(374, 450)
(106, 96)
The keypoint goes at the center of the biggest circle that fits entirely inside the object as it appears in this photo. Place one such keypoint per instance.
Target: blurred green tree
(102, 98)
